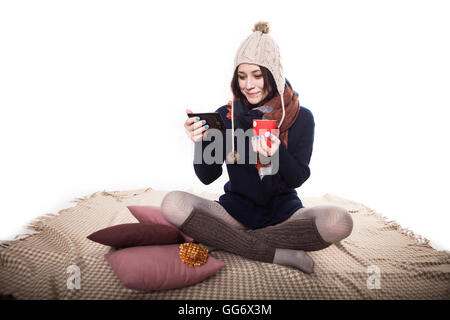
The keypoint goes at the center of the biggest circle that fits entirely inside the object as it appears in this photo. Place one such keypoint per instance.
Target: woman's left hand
(260, 146)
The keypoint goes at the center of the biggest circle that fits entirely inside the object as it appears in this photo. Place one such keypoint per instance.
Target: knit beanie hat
(259, 48)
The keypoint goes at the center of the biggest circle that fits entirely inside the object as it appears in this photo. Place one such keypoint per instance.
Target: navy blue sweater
(259, 203)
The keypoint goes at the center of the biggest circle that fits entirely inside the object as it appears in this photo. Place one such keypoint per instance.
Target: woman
(260, 215)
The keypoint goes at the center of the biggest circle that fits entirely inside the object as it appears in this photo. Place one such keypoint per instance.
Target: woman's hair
(269, 82)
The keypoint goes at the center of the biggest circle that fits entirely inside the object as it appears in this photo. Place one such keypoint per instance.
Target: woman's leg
(176, 206)
(333, 223)
(308, 229)
(210, 224)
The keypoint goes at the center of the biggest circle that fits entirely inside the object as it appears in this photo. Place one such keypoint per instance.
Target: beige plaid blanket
(379, 260)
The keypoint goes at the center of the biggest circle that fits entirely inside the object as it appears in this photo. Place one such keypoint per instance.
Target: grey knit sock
(333, 223)
(207, 229)
(298, 234)
(177, 205)
(294, 258)
(210, 230)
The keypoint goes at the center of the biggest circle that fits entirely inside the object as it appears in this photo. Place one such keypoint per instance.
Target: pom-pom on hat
(259, 48)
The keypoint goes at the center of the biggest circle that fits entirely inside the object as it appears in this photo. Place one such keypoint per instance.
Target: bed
(379, 260)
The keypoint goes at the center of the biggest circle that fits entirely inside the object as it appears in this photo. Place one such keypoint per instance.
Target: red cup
(265, 128)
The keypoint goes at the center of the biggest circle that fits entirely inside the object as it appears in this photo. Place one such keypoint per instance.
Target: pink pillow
(147, 268)
(153, 214)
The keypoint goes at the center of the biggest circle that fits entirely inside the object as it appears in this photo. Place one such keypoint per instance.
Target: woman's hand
(260, 146)
(195, 128)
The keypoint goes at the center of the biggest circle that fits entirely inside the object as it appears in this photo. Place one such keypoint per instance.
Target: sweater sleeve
(207, 173)
(294, 167)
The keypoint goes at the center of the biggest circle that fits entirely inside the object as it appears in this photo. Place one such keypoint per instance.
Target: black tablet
(213, 120)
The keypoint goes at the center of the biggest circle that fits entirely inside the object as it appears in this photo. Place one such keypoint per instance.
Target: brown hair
(269, 85)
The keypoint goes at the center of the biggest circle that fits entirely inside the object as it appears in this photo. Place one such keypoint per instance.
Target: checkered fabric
(379, 260)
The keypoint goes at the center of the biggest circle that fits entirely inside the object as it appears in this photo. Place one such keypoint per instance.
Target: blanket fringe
(37, 224)
(418, 239)
(421, 240)
(33, 227)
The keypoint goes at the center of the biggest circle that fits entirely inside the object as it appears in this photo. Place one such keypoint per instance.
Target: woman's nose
(249, 84)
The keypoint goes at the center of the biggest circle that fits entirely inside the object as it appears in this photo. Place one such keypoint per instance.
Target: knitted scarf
(271, 110)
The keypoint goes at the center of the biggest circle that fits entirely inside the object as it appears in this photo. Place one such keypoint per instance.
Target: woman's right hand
(195, 129)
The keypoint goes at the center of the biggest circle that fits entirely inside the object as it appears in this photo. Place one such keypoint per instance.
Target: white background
(93, 97)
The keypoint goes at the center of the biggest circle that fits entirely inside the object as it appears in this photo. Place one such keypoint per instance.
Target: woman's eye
(258, 76)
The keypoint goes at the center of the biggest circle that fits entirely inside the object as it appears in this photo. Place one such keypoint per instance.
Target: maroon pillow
(153, 214)
(148, 268)
(136, 234)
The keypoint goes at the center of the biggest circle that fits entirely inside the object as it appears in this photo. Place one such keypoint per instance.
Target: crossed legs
(308, 229)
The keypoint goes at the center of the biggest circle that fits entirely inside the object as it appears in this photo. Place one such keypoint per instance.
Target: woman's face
(251, 82)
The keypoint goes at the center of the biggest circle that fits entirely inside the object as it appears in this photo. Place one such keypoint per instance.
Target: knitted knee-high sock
(333, 223)
(298, 234)
(205, 228)
(176, 206)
